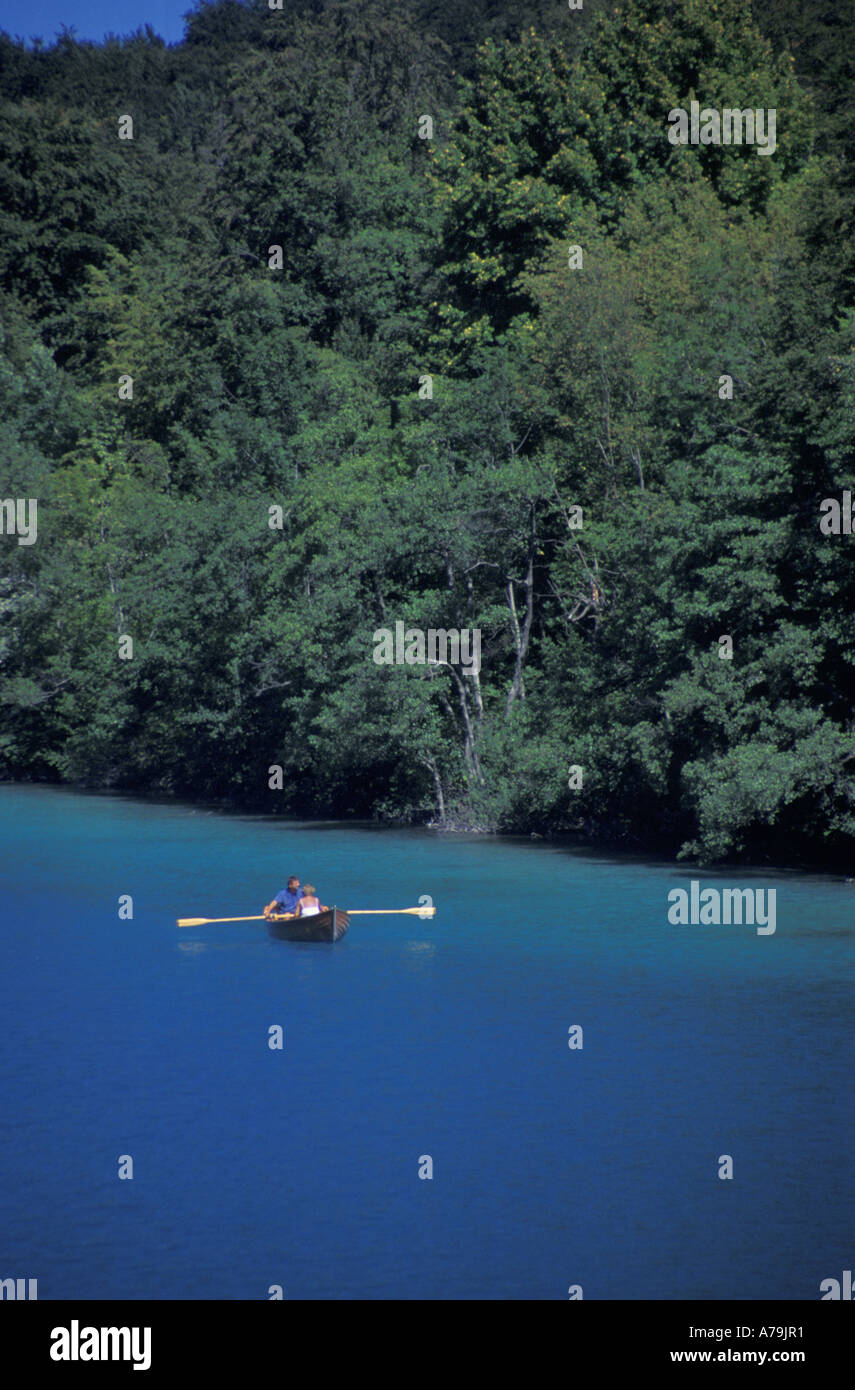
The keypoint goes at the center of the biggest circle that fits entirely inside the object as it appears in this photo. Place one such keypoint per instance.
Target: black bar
(224, 1338)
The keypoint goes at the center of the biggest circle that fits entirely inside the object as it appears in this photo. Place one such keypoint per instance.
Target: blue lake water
(449, 1038)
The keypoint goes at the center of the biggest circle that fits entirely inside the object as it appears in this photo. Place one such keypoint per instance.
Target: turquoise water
(448, 1038)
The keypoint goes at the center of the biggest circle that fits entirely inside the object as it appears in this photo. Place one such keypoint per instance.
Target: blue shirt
(286, 900)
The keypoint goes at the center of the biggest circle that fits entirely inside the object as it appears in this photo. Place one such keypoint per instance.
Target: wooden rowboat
(324, 926)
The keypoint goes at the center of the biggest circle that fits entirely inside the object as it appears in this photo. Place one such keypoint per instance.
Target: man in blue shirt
(287, 899)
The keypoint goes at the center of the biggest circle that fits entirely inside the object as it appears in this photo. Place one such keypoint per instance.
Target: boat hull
(327, 926)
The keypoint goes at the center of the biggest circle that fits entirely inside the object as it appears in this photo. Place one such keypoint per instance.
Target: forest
(344, 315)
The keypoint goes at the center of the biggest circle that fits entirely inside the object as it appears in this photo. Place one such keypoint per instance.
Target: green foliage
(257, 389)
(547, 135)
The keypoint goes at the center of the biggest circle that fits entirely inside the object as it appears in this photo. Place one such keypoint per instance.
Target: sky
(92, 19)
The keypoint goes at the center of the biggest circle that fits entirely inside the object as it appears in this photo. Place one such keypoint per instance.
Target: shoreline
(567, 840)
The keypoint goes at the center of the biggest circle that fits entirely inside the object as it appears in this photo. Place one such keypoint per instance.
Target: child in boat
(309, 905)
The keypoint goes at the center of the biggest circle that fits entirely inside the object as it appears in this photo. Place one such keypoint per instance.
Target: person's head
(293, 882)
(309, 890)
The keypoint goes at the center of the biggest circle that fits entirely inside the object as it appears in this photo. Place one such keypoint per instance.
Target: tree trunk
(522, 635)
(430, 764)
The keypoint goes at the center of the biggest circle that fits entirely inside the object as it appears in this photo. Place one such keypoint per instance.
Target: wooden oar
(206, 921)
(351, 912)
(390, 911)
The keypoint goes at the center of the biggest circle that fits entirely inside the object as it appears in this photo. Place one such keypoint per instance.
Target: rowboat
(324, 926)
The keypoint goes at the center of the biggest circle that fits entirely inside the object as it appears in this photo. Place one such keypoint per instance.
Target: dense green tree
(544, 135)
